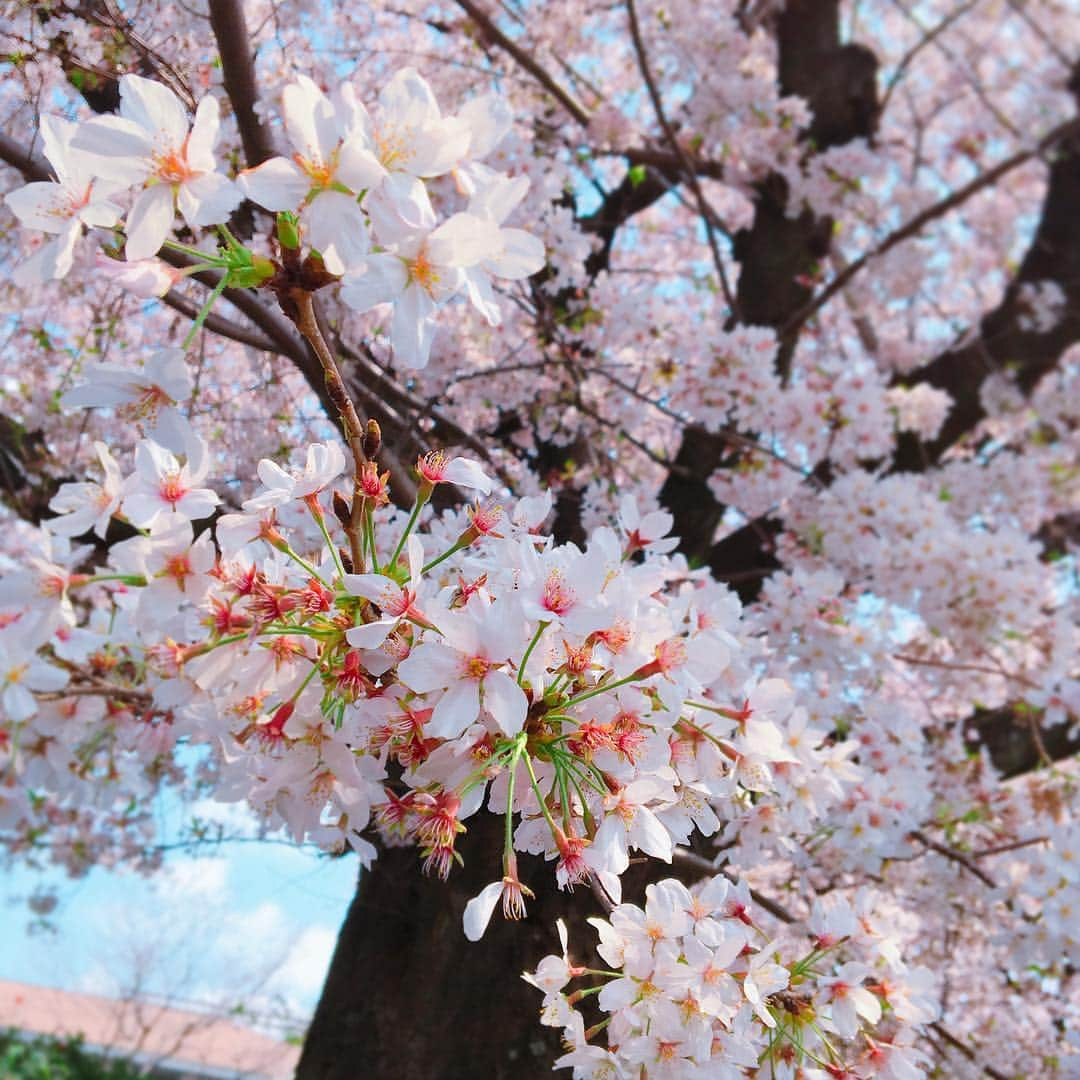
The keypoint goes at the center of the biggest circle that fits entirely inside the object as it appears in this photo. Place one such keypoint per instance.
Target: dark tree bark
(777, 254)
(408, 997)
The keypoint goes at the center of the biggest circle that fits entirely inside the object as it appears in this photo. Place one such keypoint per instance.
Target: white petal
(172, 430)
(456, 710)
(498, 198)
(381, 279)
(467, 474)
(430, 666)
(277, 184)
(464, 240)
(412, 330)
(358, 168)
(148, 222)
(310, 121)
(489, 118)
(336, 226)
(400, 208)
(522, 255)
(619, 993)
(506, 701)
(370, 635)
(51, 261)
(479, 909)
(197, 504)
(121, 148)
(40, 206)
(437, 148)
(154, 107)
(650, 835)
(208, 199)
(408, 100)
(204, 133)
(372, 587)
(20, 704)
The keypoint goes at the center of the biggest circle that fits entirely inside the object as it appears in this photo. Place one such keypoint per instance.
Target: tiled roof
(175, 1041)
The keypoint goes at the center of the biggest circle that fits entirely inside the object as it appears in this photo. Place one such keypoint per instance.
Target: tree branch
(238, 68)
(525, 60)
(220, 325)
(920, 220)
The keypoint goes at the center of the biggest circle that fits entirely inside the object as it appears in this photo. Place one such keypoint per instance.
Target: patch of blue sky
(249, 921)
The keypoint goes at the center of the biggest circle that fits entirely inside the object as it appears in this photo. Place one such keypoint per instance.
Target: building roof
(174, 1042)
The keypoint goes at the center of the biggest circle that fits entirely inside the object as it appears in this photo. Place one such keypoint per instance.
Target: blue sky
(248, 924)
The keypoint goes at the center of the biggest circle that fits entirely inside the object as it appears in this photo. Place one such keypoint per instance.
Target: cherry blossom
(77, 198)
(151, 143)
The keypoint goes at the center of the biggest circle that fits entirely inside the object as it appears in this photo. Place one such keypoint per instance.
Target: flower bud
(342, 509)
(372, 439)
(287, 232)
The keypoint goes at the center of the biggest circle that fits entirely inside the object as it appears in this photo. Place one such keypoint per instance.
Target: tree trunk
(407, 996)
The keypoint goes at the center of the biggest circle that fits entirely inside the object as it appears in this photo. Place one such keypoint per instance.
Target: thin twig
(1016, 845)
(916, 224)
(956, 1044)
(773, 907)
(526, 60)
(954, 856)
(687, 166)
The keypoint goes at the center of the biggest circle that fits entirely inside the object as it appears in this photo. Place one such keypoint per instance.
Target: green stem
(539, 796)
(508, 843)
(369, 534)
(602, 689)
(196, 326)
(529, 651)
(320, 520)
(444, 556)
(127, 579)
(230, 241)
(418, 505)
(307, 566)
(210, 260)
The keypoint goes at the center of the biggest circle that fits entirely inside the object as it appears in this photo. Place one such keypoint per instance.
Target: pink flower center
(171, 167)
(558, 597)
(476, 667)
(172, 489)
(424, 272)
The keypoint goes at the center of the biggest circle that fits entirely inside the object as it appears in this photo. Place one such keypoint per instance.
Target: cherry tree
(610, 468)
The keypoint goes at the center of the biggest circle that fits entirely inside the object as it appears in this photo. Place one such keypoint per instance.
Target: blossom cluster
(365, 675)
(354, 192)
(349, 664)
(694, 987)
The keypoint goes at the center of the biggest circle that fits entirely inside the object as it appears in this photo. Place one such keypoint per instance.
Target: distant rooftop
(169, 1042)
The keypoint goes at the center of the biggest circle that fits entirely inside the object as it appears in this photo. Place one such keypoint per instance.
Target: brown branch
(308, 325)
(688, 169)
(777, 910)
(954, 856)
(920, 220)
(220, 325)
(601, 894)
(238, 70)
(18, 157)
(141, 698)
(956, 1044)
(525, 59)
